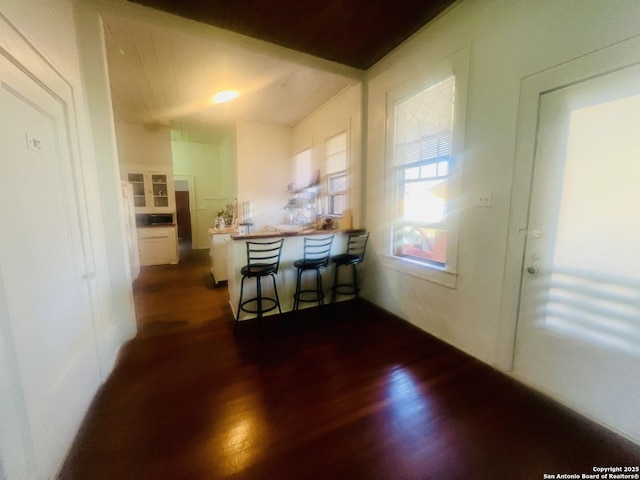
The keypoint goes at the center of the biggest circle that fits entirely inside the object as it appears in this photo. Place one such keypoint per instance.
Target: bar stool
(356, 247)
(316, 257)
(263, 259)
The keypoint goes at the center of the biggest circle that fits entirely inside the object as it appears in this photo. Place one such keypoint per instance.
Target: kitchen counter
(292, 250)
(157, 225)
(219, 241)
(301, 233)
(230, 230)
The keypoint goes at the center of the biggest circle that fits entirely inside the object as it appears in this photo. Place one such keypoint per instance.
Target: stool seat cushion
(346, 259)
(258, 270)
(309, 264)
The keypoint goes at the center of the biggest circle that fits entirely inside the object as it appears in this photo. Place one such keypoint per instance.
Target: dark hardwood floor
(347, 392)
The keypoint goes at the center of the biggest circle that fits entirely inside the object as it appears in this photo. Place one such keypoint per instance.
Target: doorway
(578, 331)
(184, 206)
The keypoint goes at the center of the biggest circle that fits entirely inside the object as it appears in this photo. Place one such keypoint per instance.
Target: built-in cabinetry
(153, 190)
(153, 193)
(218, 247)
(158, 245)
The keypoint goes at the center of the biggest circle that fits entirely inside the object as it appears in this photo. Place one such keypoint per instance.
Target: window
(421, 158)
(425, 143)
(303, 165)
(337, 174)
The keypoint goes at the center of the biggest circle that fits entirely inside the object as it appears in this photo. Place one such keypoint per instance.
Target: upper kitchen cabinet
(153, 190)
(144, 155)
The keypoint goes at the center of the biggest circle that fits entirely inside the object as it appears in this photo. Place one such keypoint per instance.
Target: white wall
(264, 170)
(99, 142)
(508, 41)
(228, 170)
(48, 26)
(214, 183)
(144, 145)
(342, 113)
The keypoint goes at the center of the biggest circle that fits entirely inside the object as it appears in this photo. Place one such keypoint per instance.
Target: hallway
(348, 392)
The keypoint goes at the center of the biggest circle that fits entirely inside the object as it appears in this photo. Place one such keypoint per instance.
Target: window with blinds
(337, 174)
(421, 157)
(303, 167)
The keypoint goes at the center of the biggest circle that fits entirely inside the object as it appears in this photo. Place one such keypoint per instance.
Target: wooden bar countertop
(301, 233)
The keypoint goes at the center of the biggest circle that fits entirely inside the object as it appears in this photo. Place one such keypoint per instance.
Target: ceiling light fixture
(224, 96)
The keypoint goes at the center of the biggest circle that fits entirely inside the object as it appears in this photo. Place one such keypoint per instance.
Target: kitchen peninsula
(218, 246)
(286, 277)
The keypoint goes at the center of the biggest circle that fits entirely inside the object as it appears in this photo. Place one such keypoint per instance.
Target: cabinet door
(219, 244)
(136, 179)
(157, 245)
(159, 190)
(154, 251)
(153, 191)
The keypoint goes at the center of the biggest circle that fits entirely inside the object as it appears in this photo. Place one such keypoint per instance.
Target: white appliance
(129, 219)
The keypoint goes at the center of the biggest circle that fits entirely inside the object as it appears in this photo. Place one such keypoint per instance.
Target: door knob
(532, 270)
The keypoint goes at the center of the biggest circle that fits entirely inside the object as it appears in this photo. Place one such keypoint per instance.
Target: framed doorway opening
(185, 209)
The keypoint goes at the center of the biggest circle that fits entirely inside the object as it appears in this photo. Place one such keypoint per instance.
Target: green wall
(212, 168)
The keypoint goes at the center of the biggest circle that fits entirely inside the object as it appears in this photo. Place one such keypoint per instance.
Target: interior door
(43, 279)
(183, 215)
(578, 334)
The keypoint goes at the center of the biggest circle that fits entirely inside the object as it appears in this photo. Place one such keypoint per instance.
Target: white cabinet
(153, 190)
(158, 245)
(218, 253)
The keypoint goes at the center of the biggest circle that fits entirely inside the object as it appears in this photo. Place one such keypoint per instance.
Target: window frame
(329, 194)
(400, 184)
(456, 65)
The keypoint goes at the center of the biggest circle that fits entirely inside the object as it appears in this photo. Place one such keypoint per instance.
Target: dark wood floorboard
(347, 392)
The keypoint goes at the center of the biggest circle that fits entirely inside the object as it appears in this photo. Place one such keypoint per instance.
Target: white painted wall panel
(508, 41)
(264, 169)
(342, 114)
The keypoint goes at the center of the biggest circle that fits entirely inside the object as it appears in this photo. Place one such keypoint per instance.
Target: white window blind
(303, 162)
(336, 153)
(423, 124)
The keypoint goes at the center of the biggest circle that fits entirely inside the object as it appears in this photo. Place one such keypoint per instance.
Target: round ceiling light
(224, 96)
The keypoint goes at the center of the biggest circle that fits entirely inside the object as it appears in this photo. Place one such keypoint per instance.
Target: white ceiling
(163, 75)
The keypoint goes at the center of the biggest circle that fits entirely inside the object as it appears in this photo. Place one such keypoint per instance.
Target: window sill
(422, 271)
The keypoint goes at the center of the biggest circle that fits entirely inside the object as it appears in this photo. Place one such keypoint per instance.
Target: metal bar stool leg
(355, 280)
(335, 284)
(296, 295)
(235, 324)
(275, 290)
(319, 288)
(259, 294)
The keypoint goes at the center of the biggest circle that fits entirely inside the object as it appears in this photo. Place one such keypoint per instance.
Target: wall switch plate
(484, 199)
(33, 143)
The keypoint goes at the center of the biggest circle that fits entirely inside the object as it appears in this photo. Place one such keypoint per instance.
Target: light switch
(484, 199)
(33, 143)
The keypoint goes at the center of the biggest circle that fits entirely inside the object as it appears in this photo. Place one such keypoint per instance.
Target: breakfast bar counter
(279, 234)
(292, 250)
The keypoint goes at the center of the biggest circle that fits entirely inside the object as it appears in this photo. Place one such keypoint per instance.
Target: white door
(578, 334)
(42, 271)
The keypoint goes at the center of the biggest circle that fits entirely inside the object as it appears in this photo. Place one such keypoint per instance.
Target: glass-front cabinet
(160, 188)
(137, 180)
(152, 191)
